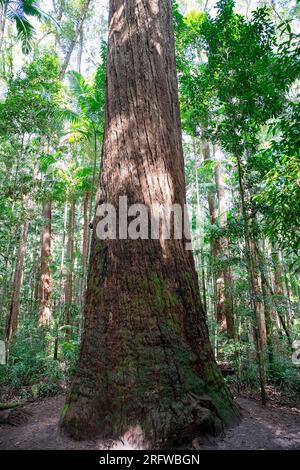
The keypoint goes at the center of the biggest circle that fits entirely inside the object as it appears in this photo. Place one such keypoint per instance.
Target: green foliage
(279, 167)
(287, 376)
(19, 11)
(87, 115)
(31, 361)
(237, 77)
(32, 99)
(244, 80)
(44, 390)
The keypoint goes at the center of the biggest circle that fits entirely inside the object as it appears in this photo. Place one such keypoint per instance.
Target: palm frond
(69, 115)
(32, 8)
(83, 132)
(17, 11)
(79, 86)
(25, 32)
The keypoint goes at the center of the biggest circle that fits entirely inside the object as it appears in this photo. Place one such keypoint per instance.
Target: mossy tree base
(192, 417)
(145, 378)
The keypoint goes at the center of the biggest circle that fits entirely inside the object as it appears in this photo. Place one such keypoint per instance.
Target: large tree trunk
(17, 284)
(45, 273)
(146, 366)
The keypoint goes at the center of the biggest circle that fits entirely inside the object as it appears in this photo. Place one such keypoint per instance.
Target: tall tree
(146, 364)
(12, 322)
(219, 248)
(70, 267)
(45, 272)
(224, 289)
(242, 86)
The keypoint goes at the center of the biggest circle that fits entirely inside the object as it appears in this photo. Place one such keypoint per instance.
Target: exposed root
(14, 417)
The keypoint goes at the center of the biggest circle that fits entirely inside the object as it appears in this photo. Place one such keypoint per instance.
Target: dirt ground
(273, 427)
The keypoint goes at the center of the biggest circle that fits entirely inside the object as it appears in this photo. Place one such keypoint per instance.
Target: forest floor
(271, 427)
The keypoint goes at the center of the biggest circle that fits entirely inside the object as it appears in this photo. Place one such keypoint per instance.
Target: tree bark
(219, 248)
(253, 273)
(224, 298)
(93, 199)
(85, 237)
(45, 272)
(146, 367)
(268, 318)
(281, 301)
(17, 284)
(277, 302)
(70, 266)
(80, 50)
(214, 244)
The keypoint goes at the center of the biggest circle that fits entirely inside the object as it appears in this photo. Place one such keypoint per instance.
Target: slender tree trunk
(80, 50)
(282, 301)
(288, 294)
(37, 288)
(278, 276)
(203, 282)
(259, 295)
(224, 291)
(61, 284)
(7, 269)
(58, 10)
(222, 277)
(62, 259)
(34, 278)
(75, 38)
(45, 273)
(3, 13)
(146, 367)
(214, 244)
(17, 284)
(85, 240)
(268, 317)
(199, 231)
(256, 300)
(278, 296)
(92, 201)
(11, 245)
(70, 267)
